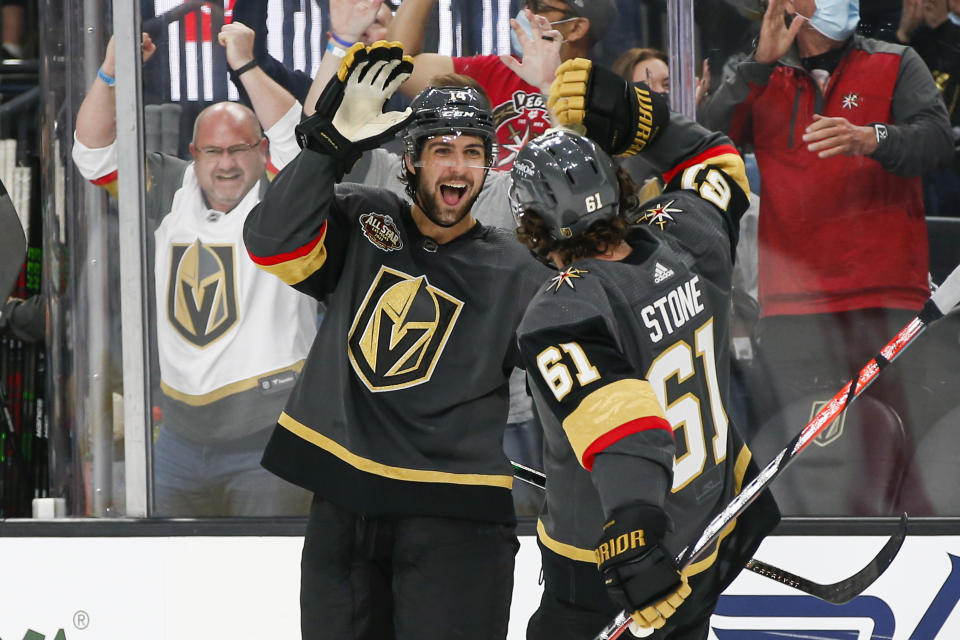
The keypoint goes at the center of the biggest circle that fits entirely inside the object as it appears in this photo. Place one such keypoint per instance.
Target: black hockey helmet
(567, 180)
(450, 111)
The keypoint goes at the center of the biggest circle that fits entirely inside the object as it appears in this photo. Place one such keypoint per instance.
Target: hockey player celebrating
(397, 419)
(628, 359)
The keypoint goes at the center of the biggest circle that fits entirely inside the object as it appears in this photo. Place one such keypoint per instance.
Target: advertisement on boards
(246, 588)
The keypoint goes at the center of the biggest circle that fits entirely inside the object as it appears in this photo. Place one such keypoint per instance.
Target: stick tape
(947, 295)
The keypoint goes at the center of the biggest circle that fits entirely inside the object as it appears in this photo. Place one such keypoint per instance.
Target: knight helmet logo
(834, 431)
(400, 331)
(201, 291)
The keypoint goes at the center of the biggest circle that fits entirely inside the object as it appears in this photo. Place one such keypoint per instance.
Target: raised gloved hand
(349, 118)
(622, 118)
(639, 574)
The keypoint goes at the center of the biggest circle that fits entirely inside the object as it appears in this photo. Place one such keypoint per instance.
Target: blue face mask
(836, 19)
(525, 25)
(954, 18)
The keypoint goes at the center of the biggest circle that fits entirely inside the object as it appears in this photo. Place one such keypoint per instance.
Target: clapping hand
(776, 37)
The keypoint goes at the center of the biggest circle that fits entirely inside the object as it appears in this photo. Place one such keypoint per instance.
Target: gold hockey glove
(622, 118)
(349, 118)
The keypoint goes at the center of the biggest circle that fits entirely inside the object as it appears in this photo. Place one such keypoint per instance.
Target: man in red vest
(843, 127)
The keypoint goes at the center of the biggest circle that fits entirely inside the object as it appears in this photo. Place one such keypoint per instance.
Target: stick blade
(13, 245)
(847, 589)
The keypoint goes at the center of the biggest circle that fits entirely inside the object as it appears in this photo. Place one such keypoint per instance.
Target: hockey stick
(940, 303)
(835, 593)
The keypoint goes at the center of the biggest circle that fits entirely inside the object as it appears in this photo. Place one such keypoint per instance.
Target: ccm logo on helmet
(525, 168)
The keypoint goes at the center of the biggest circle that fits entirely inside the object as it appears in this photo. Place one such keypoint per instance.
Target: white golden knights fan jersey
(231, 339)
(632, 358)
(401, 405)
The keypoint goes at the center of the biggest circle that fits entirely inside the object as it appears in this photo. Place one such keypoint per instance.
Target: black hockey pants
(404, 578)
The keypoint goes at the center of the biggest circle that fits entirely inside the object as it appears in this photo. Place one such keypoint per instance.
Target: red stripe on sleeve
(107, 179)
(634, 426)
(712, 152)
(291, 255)
(271, 168)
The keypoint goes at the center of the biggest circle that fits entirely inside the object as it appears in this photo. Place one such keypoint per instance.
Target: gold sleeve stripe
(387, 471)
(732, 165)
(108, 182)
(724, 157)
(563, 549)
(610, 407)
(298, 265)
(239, 386)
(739, 470)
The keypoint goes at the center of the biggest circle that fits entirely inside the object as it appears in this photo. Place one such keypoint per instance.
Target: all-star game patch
(381, 231)
(660, 214)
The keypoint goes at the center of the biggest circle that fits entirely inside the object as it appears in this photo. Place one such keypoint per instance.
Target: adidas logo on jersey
(661, 273)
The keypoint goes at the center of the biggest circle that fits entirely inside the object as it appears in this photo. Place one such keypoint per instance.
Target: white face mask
(836, 19)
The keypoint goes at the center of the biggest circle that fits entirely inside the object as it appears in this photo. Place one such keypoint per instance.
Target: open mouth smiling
(452, 192)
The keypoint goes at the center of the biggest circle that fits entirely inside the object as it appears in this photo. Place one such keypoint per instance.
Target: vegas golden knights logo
(201, 291)
(833, 432)
(400, 331)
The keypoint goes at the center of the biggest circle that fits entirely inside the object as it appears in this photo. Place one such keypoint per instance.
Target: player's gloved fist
(622, 118)
(349, 118)
(639, 574)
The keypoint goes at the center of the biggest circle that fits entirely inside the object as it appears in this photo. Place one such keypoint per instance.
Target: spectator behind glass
(230, 338)
(932, 27)
(520, 111)
(843, 126)
(12, 17)
(644, 65)
(650, 66)
(372, 16)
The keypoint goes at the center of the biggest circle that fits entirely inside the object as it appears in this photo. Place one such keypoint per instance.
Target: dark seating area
(935, 470)
(944, 235)
(873, 461)
(855, 467)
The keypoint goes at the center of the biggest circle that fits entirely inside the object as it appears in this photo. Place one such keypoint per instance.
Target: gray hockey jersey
(401, 405)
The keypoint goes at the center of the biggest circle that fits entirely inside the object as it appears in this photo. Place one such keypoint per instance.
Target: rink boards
(245, 588)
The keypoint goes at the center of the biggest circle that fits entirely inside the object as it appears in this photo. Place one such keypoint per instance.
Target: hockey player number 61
(714, 187)
(686, 412)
